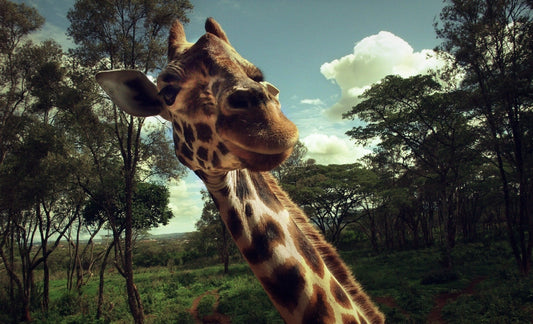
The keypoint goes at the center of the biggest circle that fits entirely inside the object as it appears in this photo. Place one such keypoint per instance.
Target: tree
(39, 203)
(36, 187)
(330, 195)
(295, 160)
(16, 22)
(212, 231)
(132, 34)
(430, 131)
(492, 42)
(385, 200)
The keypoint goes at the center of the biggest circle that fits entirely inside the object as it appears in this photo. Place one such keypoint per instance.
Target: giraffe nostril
(243, 99)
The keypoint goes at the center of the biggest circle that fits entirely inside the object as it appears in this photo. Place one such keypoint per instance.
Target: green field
(410, 287)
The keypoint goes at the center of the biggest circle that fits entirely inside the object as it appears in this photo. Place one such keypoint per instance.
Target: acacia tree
(125, 34)
(493, 42)
(431, 132)
(330, 195)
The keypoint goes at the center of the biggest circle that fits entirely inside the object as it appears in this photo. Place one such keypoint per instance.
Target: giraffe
(229, 129)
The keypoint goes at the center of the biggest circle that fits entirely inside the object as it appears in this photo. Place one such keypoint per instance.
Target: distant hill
(171, 236)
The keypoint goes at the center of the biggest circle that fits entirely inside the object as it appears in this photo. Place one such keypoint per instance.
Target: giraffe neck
(301, 273)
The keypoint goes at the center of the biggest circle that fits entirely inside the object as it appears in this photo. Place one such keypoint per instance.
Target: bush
(67, 304)
(185, 278)
(171, 289)
(206, 305)
(415, 301)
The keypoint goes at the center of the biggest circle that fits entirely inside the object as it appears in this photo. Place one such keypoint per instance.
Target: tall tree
(492, 41)
(430, 130)
(125, 34)
(16, 22)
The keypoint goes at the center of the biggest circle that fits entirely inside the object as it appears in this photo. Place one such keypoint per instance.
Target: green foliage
(96, 30)
(176, 313)
(491, 43)
(498, 301)
(67, 304)
(18, 20)
(257, 308)
(206, 305)
(332, 196)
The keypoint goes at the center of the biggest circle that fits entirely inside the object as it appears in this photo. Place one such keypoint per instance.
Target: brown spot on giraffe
(234, 223)
(204, 131)
(242, 187)
(318, 310)
(264, 240)
(339, 294)
(202, 153)
(285, 285)
(265, 193)
(307, 251)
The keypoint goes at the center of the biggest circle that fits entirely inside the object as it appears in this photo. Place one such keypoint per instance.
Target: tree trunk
(101, 283)
(46, 281)
(26, 294)
(134, 299)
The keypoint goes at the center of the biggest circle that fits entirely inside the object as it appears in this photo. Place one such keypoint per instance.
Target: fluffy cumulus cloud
(372, 59)
(330, 149)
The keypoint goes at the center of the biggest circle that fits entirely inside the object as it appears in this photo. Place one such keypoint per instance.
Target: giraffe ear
(213, 27)
(132, 92)
(177, 42)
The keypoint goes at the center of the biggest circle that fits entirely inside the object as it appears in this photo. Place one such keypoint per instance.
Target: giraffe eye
(169, 94)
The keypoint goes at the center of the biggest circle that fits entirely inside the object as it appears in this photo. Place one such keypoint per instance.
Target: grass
(411, 282)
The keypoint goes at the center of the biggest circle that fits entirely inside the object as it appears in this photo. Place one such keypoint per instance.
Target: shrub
(67, 304)
(171, 289)
(415, 300)
(206, 305)
(185, 278)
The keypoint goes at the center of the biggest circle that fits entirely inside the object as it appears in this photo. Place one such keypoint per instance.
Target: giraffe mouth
(258, 161)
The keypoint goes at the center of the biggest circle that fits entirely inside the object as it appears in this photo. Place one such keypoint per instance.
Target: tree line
(454, 159)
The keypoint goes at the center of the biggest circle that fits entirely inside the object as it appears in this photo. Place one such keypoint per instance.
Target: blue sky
(320, 54)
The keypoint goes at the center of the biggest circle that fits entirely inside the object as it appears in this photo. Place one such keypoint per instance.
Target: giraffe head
(224, 115)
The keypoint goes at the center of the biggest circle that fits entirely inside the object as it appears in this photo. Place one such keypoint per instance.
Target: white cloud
(329, 149)
(372, 59)
(313, 102)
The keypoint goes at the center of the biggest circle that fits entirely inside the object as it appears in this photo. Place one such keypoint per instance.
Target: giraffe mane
(327, 252)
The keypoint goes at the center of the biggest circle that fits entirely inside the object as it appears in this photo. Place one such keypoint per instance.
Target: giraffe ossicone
(229, 129)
